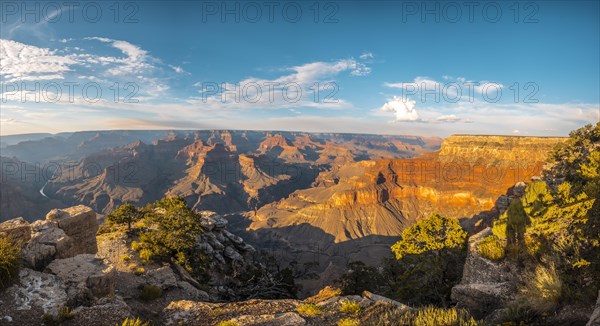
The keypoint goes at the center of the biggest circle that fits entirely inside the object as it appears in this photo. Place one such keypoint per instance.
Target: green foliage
(491, 248)
(348, 322)
(574, 160)
(150, 292)
(146, 255)
(358, 278)
(553, 230)
(10, 260)
(309, 310)
(124, 214)
(170, 232)
(133, 322)
(429, 262)
(430, 234)
(350, 307)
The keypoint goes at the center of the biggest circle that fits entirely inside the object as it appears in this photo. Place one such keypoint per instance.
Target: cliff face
(503, 150)
(357, 210)
(219, 170)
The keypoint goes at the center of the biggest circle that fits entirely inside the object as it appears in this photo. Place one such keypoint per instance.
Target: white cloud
(177, 69)
(22, 62)
(448, 118)
(366, 55)
(403, 109)
(136, 60)
(281, 92)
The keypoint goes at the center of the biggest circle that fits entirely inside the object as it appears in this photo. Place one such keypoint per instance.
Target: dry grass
(309, 310)
(348, 322)
(350, 307)
(542, 288)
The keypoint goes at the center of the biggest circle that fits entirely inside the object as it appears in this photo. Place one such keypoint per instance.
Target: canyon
(315, 202)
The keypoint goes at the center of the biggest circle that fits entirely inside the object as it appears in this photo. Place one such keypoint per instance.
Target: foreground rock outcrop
(85, 277)
(60, 268)
(485, 285)
(63, 234)
(277, 312)
(595, 318)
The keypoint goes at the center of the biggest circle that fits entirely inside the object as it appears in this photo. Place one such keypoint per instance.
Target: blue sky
(420, 68)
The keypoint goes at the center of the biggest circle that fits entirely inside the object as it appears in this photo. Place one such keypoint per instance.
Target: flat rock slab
(85, 276)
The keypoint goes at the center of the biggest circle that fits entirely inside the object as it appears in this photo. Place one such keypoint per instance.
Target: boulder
(233, 238)
(17, 229)
(211, 221)
(65, 233)
(85, 276)
(79, 223)
(47, 243)
(163, 277)
(232, 254)
(192, 292)
(595, 318)
(106, 311)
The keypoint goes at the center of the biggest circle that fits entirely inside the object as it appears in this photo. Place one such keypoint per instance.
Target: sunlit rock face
(497, 150)
(357, 210)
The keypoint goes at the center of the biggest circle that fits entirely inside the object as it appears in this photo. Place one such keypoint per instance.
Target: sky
(383, 67)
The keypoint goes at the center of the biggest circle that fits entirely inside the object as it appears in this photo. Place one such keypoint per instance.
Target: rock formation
(595, 318)
(61, 249)
(485, 285)
(79, 223)
(64, 233)
(85, 277)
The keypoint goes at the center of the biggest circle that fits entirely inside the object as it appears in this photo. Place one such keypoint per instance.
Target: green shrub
(491, 248)
(348, 322)
(10, 260)
(430, 234)
(124, 214)
(429, 262)
(309, 310)
(350, 307)
(139, 271)
(135, 245)
(146, 255)
(172, 230)
(134, 322)
(360, 277)
(150, 292)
